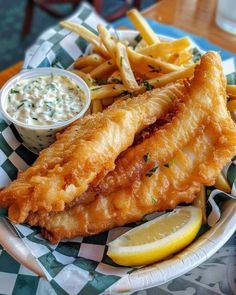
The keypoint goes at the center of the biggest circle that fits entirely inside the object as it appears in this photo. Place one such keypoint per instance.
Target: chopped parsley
(146, 157)
(167, 165)
(35, 119)
(20, 105)
(152, 171)
(52, 113)
(95, 88)
(147, 85)
(14, 91)
(154, 199)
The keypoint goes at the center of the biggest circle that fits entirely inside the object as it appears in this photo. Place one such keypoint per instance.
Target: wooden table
(195, 16)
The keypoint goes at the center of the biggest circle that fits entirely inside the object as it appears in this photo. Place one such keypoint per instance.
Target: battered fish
(175, 176)
(84, 153)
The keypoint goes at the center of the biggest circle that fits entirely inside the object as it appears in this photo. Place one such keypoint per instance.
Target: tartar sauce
(45, 100)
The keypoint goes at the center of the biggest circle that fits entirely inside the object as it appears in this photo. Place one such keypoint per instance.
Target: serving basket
(80, 265)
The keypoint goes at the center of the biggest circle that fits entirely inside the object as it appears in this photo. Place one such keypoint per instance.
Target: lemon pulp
(158, 238)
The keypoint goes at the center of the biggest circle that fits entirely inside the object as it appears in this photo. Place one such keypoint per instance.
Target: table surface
(195, 16)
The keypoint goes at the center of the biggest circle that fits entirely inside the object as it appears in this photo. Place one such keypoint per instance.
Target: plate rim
(220, 233)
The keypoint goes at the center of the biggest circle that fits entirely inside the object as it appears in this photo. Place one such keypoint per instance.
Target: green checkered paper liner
(80, 265)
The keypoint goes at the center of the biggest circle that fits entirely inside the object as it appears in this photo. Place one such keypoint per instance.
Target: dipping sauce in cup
(42, 102)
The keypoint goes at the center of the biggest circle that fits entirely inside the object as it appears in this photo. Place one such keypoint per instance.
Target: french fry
(231, 90)
(163, 48)
(96, 106)
(86, 77)
(87, 69)
(108, 40)
(142, 26)
(172, 77)
(146, 65)
(231, 105)
(123, 65)
(93, 60)
(87, 35)
(115, 77)
(181, 58)
(222, 184)
(104, 70)
(105, 91)
(200, 202)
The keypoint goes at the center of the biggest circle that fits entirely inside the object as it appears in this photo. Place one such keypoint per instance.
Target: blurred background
(21, 21)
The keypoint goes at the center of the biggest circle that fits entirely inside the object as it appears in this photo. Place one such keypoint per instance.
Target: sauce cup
(38, 137)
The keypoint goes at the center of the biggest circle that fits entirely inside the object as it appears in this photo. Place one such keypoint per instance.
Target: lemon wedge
(158, 238)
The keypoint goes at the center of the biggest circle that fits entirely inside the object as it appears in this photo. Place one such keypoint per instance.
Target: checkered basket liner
(77, 266)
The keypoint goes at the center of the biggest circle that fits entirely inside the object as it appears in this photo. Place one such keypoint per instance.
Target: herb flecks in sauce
(45, 100)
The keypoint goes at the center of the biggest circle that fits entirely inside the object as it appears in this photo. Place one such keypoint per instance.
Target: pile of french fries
(117, 70)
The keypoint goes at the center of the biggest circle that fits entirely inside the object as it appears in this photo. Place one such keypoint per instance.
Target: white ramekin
(37, 137)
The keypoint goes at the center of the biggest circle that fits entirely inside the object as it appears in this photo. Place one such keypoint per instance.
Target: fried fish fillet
(176, 175)
(155, 150)
(84, 153)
